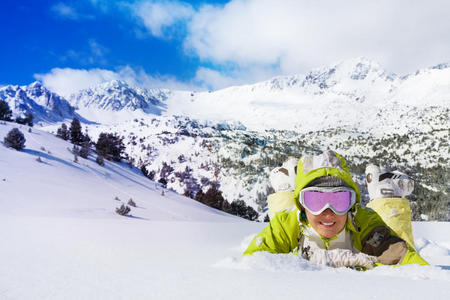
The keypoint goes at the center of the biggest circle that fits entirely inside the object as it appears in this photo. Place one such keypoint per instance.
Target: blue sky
(72, 44)
(38, 36)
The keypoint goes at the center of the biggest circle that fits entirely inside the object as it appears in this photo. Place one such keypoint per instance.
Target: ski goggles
(317, 199)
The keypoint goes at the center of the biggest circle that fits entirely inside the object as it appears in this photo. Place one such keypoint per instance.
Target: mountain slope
(62, 239)
(59, 186)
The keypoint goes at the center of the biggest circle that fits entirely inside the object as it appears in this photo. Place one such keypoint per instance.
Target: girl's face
(327, 224)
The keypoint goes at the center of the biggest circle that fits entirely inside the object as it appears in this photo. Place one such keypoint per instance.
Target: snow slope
(62, 240)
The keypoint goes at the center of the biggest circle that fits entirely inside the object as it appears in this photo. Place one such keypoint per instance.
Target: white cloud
(138, 77)
(272, 37)
(298, 35)
(66, 81)
(214, 80)
(159, 17)
(66, 11)
(102, 5)
(92, 53)
(96, 49)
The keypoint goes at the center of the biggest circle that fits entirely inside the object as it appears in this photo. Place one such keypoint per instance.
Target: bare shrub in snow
(123, 210)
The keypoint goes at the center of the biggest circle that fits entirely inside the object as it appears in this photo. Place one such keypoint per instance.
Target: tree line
(109, 146)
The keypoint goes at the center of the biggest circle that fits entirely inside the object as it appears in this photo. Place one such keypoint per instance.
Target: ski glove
(382, 183)
(337, 258)
(282, 178)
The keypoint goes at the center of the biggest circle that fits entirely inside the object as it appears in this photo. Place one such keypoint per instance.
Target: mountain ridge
(357, 88)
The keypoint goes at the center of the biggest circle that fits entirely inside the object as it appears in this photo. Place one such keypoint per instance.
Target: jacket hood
(329, 163)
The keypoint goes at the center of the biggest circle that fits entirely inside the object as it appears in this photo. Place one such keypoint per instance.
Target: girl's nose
(327, 212)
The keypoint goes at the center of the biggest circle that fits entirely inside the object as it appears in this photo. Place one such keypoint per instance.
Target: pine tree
(76, 152)
(239, 208)
(199, 196)
(110, 146)
(213, 197)
(85, 149)
(5, 112)
(15, 139)
(99, 160)
(62, 132)
(29, 119)
(76, 136)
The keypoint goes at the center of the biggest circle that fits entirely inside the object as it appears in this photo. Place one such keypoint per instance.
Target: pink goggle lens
(339, 200)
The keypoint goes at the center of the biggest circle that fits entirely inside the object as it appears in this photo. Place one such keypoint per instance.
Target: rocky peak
(38, 100)
(117, 95)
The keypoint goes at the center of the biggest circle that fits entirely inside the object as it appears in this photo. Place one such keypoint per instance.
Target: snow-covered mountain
(351, 93)
(236, 135)
(355, 93)
(45, 105)
(61, 239)
(103, 102)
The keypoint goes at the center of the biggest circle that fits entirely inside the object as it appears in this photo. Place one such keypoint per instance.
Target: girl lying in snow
(323, 220)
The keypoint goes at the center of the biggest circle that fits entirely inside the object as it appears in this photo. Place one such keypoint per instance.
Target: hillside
(62, 239)
(191, 154)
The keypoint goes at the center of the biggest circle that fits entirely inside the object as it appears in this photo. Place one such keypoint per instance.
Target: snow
(62, 240)
(357, 93)
(350, 99)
